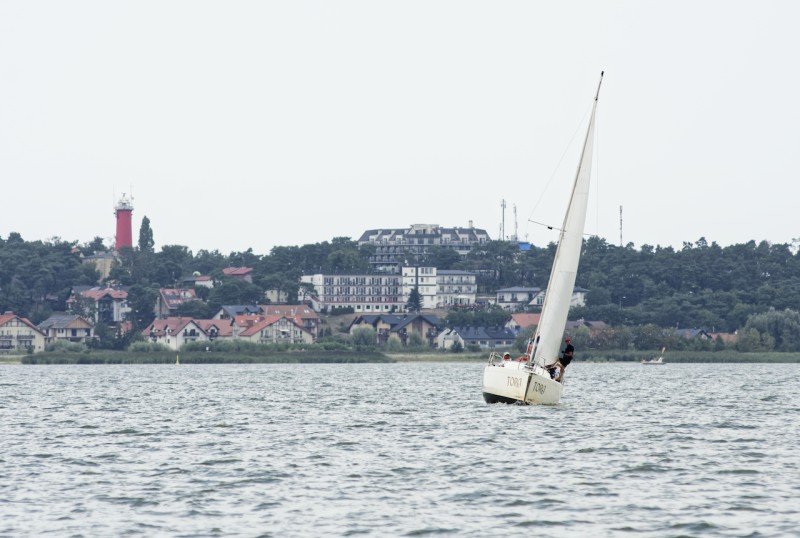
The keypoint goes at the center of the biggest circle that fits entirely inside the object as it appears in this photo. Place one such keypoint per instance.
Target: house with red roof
(302, 314)
(241, 273)
(169, 299)
(277, 329)
(216, 328)
(174, 332)
(18, 335)
(109, 305)
(521, 321)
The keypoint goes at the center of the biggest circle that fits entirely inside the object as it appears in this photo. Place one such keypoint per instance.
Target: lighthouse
(123, 211)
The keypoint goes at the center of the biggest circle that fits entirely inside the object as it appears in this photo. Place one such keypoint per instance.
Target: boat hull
(517, 384)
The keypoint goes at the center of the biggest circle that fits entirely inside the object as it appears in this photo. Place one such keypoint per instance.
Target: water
(397, 449)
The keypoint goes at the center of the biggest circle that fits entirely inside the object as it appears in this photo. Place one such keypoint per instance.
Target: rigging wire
(558, 165)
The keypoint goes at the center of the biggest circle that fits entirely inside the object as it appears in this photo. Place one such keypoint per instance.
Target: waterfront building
(388, 326)
(18, 335)
(483, 337)
(396, 247)
(303, 315)
(174, 332)
(67, 327)
(271, 330)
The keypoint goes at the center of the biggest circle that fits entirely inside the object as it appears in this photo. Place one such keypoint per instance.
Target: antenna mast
(516, 230)
(503, 222)
(620, 226)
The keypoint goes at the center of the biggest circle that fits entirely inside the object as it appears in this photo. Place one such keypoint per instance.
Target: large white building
(455, 288)
(362, 293)
(396, 247)
(390, 293)
(424, 279)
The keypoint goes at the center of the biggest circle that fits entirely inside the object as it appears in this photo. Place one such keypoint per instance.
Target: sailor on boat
(566, 358)
(529, 380)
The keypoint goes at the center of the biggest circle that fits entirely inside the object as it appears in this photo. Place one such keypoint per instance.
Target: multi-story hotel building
(455, 288)
(396, 247)
(364, 293)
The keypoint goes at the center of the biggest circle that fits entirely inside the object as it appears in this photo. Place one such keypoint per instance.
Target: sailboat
(659, 360)
(527, 380)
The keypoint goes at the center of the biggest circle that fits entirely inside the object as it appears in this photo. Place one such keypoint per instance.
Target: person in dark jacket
(566, 358)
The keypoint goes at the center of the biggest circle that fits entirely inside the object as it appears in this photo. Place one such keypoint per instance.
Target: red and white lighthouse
(124, 211)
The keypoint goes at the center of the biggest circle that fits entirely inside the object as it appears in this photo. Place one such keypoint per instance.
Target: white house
(515, 298)
(578, 297)
(174, 332)
(276, 330)
(18, 335)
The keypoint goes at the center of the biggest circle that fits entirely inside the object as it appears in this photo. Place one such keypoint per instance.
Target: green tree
(195, 309)
(146, 242)
(232, 292)
(142, 301)
(783, 327)
(417, 343)
(414, 303)
(364, 338)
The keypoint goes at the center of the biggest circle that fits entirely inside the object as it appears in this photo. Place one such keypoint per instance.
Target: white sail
(547, 341)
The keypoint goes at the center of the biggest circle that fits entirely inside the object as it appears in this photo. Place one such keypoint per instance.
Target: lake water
(397, 449)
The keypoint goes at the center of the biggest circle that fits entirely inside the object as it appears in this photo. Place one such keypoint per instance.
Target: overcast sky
(255, 124)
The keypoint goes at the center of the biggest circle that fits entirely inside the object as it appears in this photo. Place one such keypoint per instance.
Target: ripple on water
(311, 450)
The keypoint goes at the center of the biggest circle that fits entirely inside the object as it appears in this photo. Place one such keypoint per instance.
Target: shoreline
(344, 357)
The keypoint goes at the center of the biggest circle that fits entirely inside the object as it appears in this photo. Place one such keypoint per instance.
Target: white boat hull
(513, 383)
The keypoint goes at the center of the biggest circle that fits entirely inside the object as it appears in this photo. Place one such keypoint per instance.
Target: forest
(701, 285)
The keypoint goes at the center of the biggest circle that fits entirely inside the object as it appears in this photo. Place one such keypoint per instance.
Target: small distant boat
(659, 360)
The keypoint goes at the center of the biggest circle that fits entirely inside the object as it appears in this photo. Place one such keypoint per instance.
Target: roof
(237, 271)
(296, 311)
(453, 272)
(8, 316)
(96, 293)
(526, 320)
(266, 321)
(484, 333)
(174, 324)
(234, 310)
(692, 333)
(174, 297)
(62, 321)
(224, 326)
(518, 289)
(376, 235)
(433, 320)
(395, 321)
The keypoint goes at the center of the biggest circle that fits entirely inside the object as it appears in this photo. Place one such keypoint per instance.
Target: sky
(256, 124)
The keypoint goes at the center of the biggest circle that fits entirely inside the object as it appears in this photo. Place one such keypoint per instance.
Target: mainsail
(547, 341)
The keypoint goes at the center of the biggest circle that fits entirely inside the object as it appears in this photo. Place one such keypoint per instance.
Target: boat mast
(560, 286)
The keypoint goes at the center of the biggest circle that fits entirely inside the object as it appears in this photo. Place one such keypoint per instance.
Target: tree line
(699, 285)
